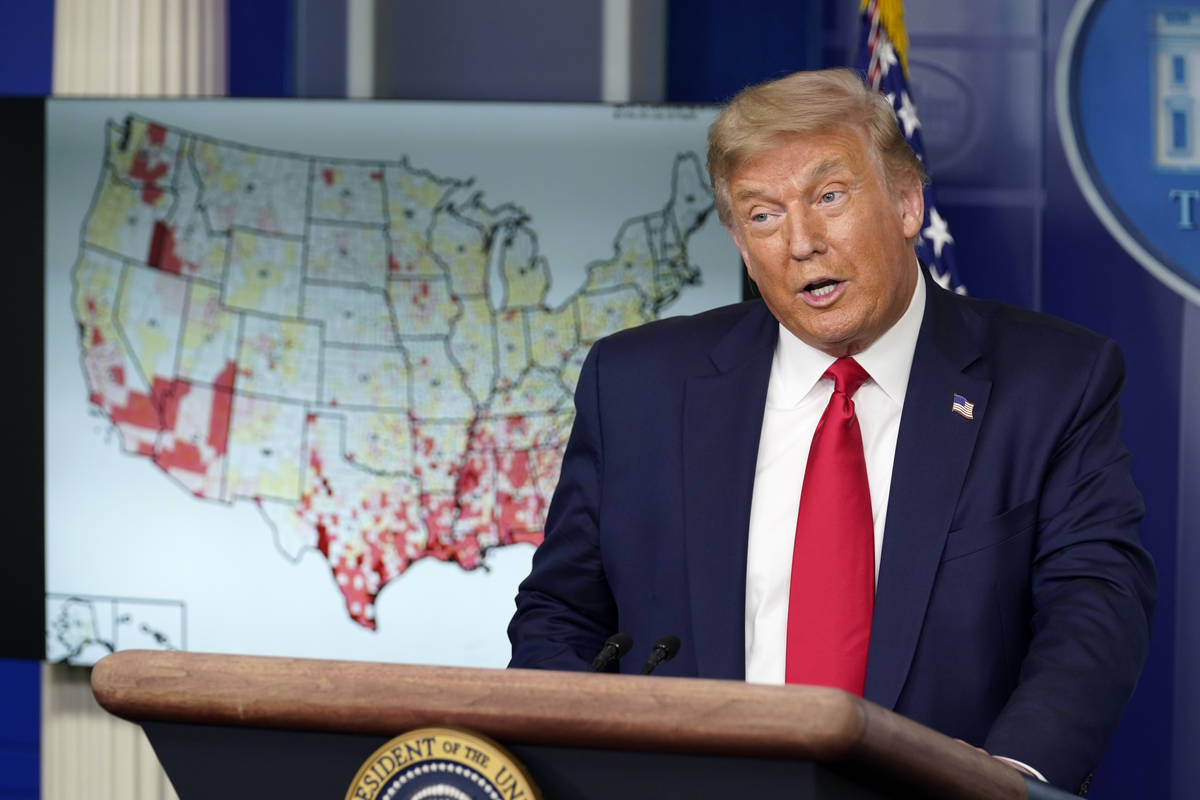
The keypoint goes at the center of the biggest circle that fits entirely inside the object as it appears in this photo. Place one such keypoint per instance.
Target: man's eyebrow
(824, 168)
(748, 193)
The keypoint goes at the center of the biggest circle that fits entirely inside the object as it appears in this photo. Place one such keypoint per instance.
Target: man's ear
(911, 204)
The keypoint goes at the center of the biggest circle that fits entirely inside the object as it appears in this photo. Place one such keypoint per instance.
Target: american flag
(961, 406)
(883, 59)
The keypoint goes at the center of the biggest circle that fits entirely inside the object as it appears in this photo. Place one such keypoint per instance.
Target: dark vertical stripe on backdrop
(20, 729)
(27, 47)
(715, 48)
(262, 42)
(22, 569)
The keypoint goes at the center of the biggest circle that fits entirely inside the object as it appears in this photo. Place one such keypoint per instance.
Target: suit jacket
(1013, 601)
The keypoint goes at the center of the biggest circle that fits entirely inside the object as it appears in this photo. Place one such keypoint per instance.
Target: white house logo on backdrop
(1140, 172)
(1177, 89)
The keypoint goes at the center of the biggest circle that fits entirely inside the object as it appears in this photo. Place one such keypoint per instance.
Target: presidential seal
(442, 764)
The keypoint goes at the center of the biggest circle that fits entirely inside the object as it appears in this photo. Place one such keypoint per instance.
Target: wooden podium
(241, 726)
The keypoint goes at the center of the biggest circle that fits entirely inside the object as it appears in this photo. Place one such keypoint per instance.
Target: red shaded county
(162, 253)
(225, 377)
(515, 467)
(182, 456)
(512, 513)
(376, 176)
(465, 552)
(438, 512)
(516, 426)
(97, 339)
(528, 537)
(329, 176)
(468, 479)
(323, 539)
(157, 134)
(141, 170)
(379, 557)
(359, 597)
(480, 438)
(393, 264)
(169, 402)
(140, 411)
(218, 421)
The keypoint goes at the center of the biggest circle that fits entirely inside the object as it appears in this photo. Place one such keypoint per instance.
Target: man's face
(825, 239)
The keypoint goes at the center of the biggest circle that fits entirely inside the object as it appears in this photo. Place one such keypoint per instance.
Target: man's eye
(829, 197)
(759, 217)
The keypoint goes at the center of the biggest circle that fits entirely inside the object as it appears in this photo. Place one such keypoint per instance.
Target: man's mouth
(822, 290)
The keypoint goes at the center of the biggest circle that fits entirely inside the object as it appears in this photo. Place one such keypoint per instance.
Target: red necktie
(832, 592)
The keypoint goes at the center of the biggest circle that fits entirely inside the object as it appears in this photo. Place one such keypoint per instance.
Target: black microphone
(615, 646)
(664, 650)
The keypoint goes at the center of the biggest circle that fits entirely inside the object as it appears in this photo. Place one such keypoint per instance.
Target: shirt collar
(798, 367)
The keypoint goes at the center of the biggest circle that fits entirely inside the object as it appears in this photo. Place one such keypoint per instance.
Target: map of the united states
(363, 349)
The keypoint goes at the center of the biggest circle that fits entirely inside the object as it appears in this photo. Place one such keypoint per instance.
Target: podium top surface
(566, 709)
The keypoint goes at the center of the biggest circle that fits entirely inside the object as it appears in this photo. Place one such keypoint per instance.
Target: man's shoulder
(1002, 327)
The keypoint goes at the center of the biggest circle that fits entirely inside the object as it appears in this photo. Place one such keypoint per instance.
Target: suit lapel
(933, 451)
(722, 421)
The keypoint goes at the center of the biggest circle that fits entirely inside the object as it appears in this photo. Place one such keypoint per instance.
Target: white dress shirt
(796, 398)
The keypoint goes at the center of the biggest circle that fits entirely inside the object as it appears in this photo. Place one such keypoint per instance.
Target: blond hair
(805, 103)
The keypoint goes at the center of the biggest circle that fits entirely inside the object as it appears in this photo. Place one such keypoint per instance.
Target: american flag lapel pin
(962, 407)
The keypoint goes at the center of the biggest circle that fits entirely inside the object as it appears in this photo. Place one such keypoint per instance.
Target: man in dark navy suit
(1007, 598)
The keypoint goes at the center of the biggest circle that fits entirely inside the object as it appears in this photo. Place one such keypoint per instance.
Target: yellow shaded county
(526, 275)
(121, 221)
(512, 351)
(605, 312)
(264, 448)
(459, 246)
(208, 161)
(209, 332)
(438, 390)
(149, 312)
(538, 391)
(422, 306)
(279, 358)
(552, 334)
(280, 483)
(633, 263)
(122, 160)
(97, 278)
(378, 441)
(473, 346)
(412, 198)
(264, 274)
